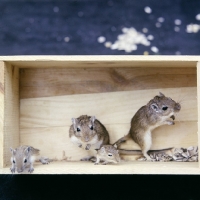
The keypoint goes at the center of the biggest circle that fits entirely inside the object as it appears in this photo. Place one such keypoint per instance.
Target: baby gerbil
(24, 157)
(107, 154)
(88, 132)
(157, 112)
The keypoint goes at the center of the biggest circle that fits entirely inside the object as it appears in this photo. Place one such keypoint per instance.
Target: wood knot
(118, 78)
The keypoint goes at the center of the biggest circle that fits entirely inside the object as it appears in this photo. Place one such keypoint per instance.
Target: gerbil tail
(121, 140)
(129, 152)
(139, 152)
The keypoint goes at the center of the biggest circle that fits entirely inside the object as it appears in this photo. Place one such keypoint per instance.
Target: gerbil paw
(96, 163)
(173, 117)
(85, 159)
(148, 159)
(44, 160)
(31, 170)
(88, 147)
(142, 159)
(93, 159)
(104, 163)
(12, 170)
(170, 122)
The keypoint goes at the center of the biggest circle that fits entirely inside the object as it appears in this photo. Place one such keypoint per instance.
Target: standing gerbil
(88, 132)
(24, 157)
(107, 154)
(157, 112)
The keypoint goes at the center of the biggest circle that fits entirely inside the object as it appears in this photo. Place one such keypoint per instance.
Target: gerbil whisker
(183, 99)
(178, 120)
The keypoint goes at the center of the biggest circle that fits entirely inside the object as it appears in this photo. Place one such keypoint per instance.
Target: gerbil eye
(91, 128)
(78, 129)
(13, 161)
(110, 155)
(25, 161)
(164, 107)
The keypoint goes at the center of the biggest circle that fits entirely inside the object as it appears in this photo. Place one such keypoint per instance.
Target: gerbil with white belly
(157, 112)
(89, 133)
(24, 157)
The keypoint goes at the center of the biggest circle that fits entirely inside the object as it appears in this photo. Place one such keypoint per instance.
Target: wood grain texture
(1, 111)
(125, 167)
(66, 81)
(101, 61)
(198, 102)
(44, 122)
(110, 87)
(11, 111)
(52, 141)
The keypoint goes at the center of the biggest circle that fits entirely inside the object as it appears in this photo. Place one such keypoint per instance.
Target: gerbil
(157, 112)
(107, 154)
(24, 157)
(88, 132)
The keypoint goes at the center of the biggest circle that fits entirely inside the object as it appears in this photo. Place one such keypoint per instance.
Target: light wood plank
(11, 111)
(198, 103)
(65, 81)
(52, 141)
(109, 108)
(94, 61)
(125, 167)
(44, 122)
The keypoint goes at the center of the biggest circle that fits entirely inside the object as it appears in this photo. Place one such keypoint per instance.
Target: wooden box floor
(125, 167)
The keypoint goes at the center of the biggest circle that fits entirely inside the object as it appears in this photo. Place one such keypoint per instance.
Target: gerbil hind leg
(146, 145)
(144, 151)
(97, 160)
(104, 163)
(45, 160)
(87, 158)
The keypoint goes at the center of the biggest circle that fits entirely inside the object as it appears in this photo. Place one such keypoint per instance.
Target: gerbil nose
(177, 106)
(87, 139)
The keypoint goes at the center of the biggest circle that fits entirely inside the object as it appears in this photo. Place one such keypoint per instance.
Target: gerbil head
(20, 157)
(109, 153)
(84, 127)
(163, 106)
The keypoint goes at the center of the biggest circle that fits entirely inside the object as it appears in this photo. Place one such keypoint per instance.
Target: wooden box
(40, 94)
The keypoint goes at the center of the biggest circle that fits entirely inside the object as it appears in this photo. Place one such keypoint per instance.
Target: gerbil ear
(102, 149)
(13, 151)
(27, 150)
(161, 94)
(74, 122)
(92, 119)
(154, 107)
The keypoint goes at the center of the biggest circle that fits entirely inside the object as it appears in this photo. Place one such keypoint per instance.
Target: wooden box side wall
(198, 103)
(11, 135)
(50, 97)
(2, 90)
